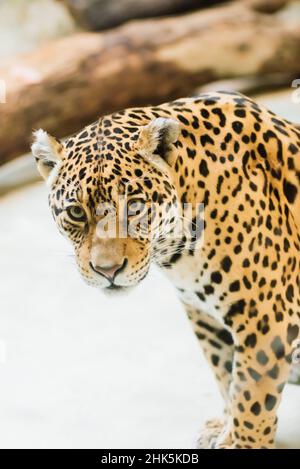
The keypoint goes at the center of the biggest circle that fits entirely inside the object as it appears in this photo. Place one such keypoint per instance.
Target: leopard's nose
(110, 271)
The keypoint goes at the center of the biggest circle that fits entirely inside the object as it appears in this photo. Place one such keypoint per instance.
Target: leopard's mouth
(116, 290)
(114, 287)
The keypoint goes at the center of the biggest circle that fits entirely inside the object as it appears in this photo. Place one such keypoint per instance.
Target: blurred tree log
(68, 83)
(103, 14)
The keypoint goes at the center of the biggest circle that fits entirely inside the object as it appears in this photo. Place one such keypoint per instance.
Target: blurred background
(77, 369)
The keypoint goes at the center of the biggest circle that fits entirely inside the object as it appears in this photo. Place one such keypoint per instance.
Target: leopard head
(112, 194)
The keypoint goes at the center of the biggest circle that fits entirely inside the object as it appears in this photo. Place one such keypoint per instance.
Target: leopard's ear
(48, 153)
(157, 137)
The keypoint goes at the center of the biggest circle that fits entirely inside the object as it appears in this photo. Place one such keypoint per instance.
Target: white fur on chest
(185, 276)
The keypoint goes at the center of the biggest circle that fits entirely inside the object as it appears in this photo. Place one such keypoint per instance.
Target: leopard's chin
(116, 290)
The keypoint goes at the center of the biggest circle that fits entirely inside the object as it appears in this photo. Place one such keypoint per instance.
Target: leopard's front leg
(217, 345)
(261, 366)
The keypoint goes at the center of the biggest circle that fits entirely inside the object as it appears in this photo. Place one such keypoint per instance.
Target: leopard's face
(112, 199)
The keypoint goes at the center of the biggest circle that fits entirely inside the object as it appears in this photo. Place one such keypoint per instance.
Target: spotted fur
(241, 286)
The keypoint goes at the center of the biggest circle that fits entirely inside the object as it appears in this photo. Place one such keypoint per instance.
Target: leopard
(217, 178)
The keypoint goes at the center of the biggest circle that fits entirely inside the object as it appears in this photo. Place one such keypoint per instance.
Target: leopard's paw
(210, 433)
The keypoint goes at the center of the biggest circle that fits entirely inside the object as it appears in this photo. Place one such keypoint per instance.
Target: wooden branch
(103, 14)
(68, 83)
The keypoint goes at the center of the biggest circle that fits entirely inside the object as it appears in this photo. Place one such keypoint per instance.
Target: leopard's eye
(77, 213)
